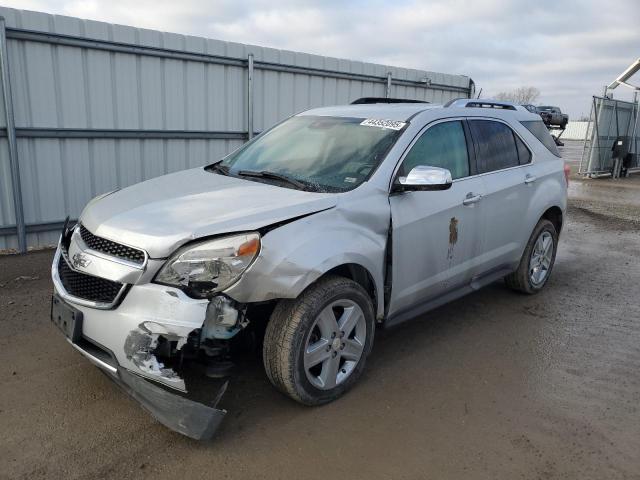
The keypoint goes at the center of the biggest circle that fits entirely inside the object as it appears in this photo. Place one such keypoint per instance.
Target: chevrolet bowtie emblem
(80, 260)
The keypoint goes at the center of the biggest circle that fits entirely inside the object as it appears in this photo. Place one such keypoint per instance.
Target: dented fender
(295, 255)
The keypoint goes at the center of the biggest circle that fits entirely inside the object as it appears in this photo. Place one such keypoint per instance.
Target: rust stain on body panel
(453, 231)
(453, 237)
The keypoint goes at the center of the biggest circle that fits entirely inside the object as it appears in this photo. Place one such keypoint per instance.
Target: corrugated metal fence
(94, 106)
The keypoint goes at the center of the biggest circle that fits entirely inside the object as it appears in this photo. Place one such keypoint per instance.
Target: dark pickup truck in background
(553, 116)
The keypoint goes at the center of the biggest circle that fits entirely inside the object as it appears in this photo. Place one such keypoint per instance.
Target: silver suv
(333, 223)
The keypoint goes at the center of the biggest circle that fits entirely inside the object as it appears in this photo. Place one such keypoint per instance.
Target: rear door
(436, 234)
(498, 152)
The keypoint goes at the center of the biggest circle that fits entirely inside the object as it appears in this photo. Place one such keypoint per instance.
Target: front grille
(111, 248)
(86, 286)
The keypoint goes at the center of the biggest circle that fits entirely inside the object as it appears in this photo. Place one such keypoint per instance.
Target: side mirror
(423, 178)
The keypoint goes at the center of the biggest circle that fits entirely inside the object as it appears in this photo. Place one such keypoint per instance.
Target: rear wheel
(316, 346)
(537, 260)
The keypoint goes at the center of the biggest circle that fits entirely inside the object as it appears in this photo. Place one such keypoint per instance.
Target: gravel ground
(495, 385)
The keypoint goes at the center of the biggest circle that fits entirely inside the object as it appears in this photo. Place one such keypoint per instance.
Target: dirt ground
(495, 385)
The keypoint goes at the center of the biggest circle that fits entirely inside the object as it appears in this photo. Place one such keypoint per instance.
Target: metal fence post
(387, 93)
(635, 123)
(11, 139)
(584, 145)
(250, 95)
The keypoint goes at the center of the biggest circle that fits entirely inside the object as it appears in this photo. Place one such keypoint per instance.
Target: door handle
(471, 198)
(529, 179)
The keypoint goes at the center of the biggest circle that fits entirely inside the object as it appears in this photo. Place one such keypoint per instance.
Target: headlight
(211, 266)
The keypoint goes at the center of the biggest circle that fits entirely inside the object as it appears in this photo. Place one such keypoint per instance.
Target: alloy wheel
(541, 257)
(335, 344)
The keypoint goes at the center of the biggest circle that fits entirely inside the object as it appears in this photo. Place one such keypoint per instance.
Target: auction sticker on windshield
(376, 122)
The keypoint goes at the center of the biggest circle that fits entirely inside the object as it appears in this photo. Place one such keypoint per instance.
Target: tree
(520, 95)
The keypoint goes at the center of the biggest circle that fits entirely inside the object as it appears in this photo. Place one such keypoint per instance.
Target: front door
(435, 237)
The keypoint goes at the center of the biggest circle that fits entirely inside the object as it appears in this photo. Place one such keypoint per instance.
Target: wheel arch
(360, 275)
(554, 215)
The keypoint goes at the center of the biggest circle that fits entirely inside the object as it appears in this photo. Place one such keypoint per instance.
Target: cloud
(568, 49)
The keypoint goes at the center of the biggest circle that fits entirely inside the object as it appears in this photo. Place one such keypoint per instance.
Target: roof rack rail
(372, 100)
(480, 103)
(502, 106)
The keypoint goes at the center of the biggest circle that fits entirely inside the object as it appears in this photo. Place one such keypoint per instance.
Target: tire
(523, 279)
(298, 326)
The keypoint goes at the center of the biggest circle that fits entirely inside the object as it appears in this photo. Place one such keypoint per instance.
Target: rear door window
(495, 145)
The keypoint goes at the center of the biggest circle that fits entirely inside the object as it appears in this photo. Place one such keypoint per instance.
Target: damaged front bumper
(187, 417)
(132, 341)
(190, 418)
(183, 415)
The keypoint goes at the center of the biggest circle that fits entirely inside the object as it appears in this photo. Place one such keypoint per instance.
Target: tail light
(567, 172)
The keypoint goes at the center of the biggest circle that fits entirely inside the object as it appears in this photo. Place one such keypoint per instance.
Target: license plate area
(66, 318)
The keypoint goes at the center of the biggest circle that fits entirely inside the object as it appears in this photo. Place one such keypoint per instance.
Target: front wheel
(316, 345)
(537, 260)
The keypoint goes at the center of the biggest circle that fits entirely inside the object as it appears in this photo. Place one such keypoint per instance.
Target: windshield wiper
(218, 168)
(276, 176)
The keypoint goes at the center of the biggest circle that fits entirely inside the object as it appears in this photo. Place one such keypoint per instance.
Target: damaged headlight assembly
(203, 269)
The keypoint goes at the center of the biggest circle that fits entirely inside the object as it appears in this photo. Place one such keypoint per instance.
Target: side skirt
(476, 283)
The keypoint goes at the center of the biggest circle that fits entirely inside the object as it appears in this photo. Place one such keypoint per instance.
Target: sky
(568, 49)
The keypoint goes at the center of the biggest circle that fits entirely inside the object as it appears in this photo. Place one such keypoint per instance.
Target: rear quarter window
(540, 131)
(524, 155)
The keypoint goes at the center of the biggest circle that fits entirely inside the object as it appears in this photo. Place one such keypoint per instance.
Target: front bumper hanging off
(188, 417)
(183, 415)
(131, 336)
(159, 390)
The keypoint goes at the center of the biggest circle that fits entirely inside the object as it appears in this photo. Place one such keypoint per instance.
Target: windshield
(546, 109)
(326, 154)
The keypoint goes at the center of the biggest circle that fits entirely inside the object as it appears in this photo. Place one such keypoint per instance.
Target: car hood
(163, 213)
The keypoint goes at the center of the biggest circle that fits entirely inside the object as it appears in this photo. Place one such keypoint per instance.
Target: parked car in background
(553, 116)
(335, 222)
(531, 108)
